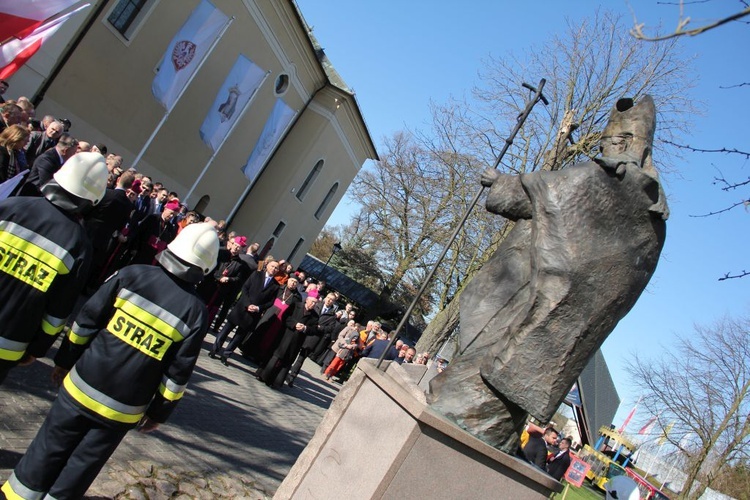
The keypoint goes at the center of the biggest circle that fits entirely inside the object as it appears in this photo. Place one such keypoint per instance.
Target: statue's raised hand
(489, 176)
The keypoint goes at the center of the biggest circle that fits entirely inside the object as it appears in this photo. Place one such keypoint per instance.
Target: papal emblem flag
(186, 51)
(240, 85)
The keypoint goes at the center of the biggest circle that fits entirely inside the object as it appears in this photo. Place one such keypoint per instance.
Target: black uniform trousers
(305, 352)
(239, 336)
(5, 367)
(224, 305)
(67, 453)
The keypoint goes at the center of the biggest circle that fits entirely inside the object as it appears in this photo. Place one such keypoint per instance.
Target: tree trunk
(440, 328)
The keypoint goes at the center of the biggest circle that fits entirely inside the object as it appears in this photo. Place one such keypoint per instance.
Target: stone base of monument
(379, 439)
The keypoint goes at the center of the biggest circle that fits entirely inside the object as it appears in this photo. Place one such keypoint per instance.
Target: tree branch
(637, 30)
(735, 276)
(743, 202)
(702, 150)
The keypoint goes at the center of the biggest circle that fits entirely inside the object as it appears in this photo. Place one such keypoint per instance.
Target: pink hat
(173, 205)
(241, 241)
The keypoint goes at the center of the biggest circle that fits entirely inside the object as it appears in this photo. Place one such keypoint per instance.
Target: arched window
(326, 201)
(202, 204)
(267, 247)
(309, 181)
(295, 249)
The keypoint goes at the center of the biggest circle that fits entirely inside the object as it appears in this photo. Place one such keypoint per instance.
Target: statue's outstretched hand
(489, 176)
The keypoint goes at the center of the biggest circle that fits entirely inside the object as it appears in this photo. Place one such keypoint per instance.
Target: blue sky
(397, 56)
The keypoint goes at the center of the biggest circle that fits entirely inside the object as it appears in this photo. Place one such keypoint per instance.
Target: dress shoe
(212, 354)
(290, 382)
(224, 361)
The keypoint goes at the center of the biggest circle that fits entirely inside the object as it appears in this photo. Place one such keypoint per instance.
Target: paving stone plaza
(230, 437)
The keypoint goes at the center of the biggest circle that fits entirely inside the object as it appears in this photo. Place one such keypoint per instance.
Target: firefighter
(124, 363)
(44, 258)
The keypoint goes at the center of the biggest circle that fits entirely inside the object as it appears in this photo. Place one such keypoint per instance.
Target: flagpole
(182, 91)
(226, 136)
(666, 478)
(260, 171)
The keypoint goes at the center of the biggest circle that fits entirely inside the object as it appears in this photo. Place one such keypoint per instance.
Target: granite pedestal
(379, 439)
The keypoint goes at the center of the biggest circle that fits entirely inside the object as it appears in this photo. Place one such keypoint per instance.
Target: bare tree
(417, 193)
(588, 67)
(702, 386)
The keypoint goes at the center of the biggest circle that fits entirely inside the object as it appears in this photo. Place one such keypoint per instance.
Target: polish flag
(15, 53)
(646, 429)
(19, 18)
(629, 417)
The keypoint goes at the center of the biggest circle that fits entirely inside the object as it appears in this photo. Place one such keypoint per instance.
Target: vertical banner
(280, 118)
(239, 87)
(186, 51)
(665, 434)
(648, 427)
(630, 416)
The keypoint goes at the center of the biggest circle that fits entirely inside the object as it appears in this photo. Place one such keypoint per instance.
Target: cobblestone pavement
(230, 437)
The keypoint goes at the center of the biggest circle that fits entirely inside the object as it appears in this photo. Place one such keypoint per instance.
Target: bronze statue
(585, 244)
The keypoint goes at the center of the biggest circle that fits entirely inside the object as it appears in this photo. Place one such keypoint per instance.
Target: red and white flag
(19, 18)
(646, 429)
(186, 51)
(16, 52)
(629, 417)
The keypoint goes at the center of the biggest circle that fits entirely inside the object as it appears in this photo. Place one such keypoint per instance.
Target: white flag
(186, 51)
(241, 83)
(281, 116)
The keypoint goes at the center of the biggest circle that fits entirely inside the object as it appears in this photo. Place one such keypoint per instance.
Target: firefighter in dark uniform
(44, 258)
(129, 354)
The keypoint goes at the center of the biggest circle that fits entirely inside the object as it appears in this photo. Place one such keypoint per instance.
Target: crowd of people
(74, 221)
(283, 317)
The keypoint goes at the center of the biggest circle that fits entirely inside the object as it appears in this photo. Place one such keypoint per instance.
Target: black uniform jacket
(138, 338)
(44, 264)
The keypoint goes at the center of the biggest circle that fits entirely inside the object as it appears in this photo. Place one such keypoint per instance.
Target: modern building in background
(98, 71)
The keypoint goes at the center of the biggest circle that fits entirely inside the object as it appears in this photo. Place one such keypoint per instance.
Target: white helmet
(197, 244)
(84, 175)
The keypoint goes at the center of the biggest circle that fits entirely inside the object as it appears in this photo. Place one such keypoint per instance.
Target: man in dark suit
(559, 463)
(159, 201)
(43, 141)
(258, 294)
(110, 215)
(536, 448)
(301, 322)
(47, 164)
(328, 327)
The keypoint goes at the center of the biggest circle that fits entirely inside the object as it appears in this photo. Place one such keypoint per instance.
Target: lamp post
(336, 248)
